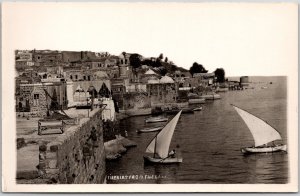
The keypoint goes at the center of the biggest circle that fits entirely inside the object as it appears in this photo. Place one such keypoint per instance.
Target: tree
(220, 74)
(163, 71)
(161, 56)
(135, 60)
(197, 68)
(166, 59)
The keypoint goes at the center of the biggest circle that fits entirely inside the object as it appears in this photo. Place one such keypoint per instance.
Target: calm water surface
(210, 142)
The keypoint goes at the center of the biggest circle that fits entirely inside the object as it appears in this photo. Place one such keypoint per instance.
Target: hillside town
(48, 80)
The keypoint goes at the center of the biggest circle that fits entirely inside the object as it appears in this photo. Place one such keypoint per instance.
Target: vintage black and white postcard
(170, 97)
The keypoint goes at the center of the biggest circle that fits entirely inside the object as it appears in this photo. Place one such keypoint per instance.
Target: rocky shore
(115, 148)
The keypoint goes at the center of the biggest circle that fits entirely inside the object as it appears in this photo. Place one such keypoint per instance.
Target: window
(36, 99)
(71, 77)
(84, 78)
(76, 77)
(89, 78)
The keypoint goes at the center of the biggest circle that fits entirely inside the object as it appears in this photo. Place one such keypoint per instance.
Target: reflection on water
(210, 141)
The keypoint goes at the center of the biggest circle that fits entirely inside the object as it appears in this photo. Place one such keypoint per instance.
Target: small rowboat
(149, 129)
(266, 149)
(197, 109)
(156, 119)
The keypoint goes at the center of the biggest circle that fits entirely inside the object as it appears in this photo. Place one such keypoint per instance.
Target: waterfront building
(118, 89)
(162, 92)
(109, 110)
(79, 92)
(206, 78)
(137, 103)
(244, 81)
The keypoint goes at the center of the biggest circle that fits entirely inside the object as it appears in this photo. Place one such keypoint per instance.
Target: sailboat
(262, 132)
(158, 149)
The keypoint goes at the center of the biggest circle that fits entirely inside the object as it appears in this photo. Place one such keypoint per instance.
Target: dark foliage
(135, 60)
(197, 68)
(220, 74)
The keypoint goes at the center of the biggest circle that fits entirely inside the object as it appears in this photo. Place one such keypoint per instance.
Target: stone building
(42, 57)
(162, 92)
(36, 99)
(137, 103)
(118, 89)
(82, 91)
(206, 78)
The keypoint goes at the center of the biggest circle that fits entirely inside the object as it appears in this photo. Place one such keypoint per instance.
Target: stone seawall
(77, 156)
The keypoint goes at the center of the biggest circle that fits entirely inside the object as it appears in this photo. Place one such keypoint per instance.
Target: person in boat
(172, 153)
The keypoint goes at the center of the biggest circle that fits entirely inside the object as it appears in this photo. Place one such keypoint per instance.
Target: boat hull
(156, 120)
(250, 150)
(184, 111)
(211, 97)
(197, 109)
(149, 159)
(146, 130)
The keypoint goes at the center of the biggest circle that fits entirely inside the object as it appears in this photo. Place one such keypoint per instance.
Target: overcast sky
(244, 39)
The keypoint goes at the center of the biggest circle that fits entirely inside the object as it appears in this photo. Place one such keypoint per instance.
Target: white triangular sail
(161, 143)
(261, 131)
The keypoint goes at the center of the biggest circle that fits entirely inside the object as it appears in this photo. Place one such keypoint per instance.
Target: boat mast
(154, 147)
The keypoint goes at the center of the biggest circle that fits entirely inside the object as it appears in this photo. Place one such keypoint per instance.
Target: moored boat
(264, 135)
(156, 119)
(158, 149)
(211, 96)
(196, 100)
(175, 111)
(266, 149)
(197, 109)
(149, 129)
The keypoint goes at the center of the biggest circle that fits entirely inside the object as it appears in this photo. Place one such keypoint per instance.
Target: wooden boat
(211, 96)
(175, 111)
(158, 149)
(263, 134)
(197, 109)
(156, 119)
(196, 100)
(222, 89)
(149, 129)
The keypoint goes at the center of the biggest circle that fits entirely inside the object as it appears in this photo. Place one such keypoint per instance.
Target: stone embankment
(77, 156)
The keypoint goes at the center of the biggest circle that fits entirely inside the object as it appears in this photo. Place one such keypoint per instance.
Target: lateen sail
(163, 139)
(262, 132)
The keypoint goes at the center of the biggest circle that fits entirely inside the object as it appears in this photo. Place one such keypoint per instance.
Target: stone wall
(77, 156)
(161, 94)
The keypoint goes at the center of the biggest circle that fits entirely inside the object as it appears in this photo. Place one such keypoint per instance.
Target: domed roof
(150, 72)
(166, 79)
(100, 75)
